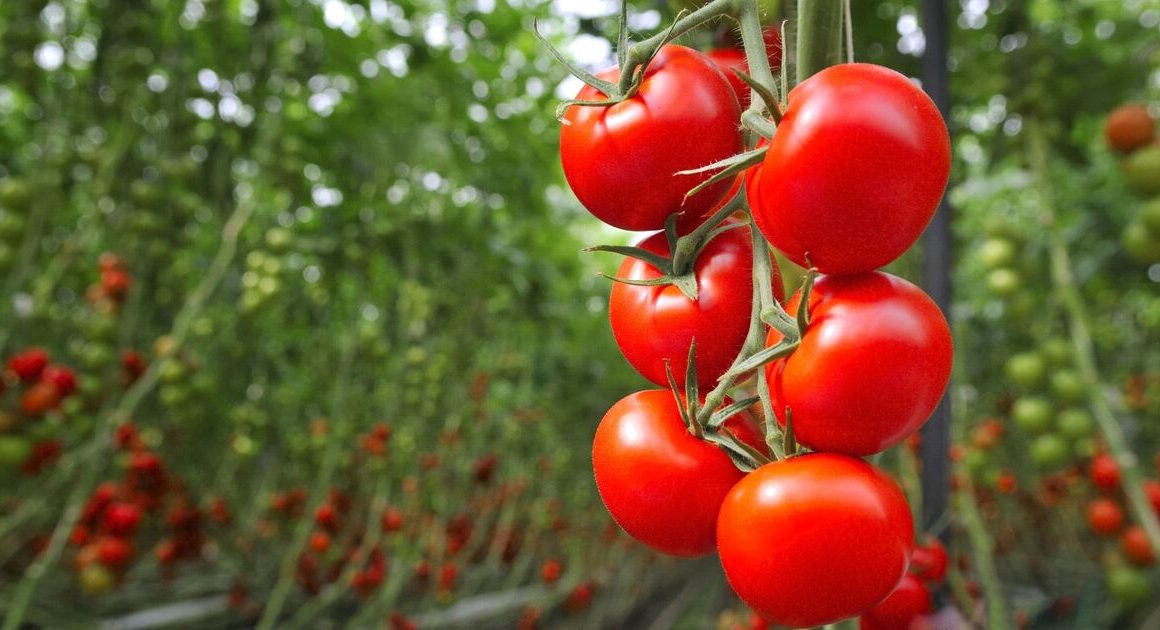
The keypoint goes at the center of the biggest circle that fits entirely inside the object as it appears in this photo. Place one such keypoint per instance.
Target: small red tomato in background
(40, 397)
(622, 160)
(1104, 472)
(1134, 541)
(850, 188)
(28, 364)
(1129, 127)
(392, 520)
(929, 561)
(814, 539)
(121, 519)
(550, 571)
(655, 323)
(114, 552)
(1104, 516)
(64, 379)
(909, 601)
(652, 474)
(872, 365)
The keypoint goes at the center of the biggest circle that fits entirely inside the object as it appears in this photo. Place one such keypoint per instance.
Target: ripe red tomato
(621, 160)
(64, 378)
(814, 539)
(1152, 489)
(1137, 547)
(1104, 516)
(121, 519)
(1104, 472)
(113, 552)
(871, 367)
(909, 601)
(661, 484)
(929, 561)
(40, 397)
(28, 364)
(655, 323)
(855, 171)
(1129, 127)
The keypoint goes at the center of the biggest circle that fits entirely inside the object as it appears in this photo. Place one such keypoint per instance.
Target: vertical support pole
(936, 273)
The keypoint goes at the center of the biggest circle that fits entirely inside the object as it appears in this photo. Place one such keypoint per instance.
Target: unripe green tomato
(1140, 244)
(278, 239)
(14, 194)
(1057, 351)
(100, 327)
(173, 395)
(1150, 217)
(96, 355)
(1004, 281)
(1049, 450)
(976, 462)
(1084, 448)
(1128, 585)
(997, 252)
(11, 226)
(95, 578)
(1075, 423)
(1032, 414)
(14, 449)
(1068, 386)
(999, 226)
(1142, 170)
(1026, 369)
(172, 372)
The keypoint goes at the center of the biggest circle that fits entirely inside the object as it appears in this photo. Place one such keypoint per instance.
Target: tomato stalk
(1085, 362)
(640, 53)
(819, 36)
(982, 551)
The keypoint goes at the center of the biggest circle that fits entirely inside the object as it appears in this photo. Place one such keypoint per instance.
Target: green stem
(1085, 361)
(819, 36)
(641, 52)
(755, 54)
(982, 551)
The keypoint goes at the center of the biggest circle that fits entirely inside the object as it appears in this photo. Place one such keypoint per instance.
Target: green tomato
(1026, 369)
(1032, 414)
(1049, 450)
(997, 252)
(1142, 170)
(1003, 281)
(14, 449)
(1057, 351)
(1140, 244)
(976, 462)
(1150, 217)
(1068, 386)
(1084, 448)
(1074, 423)
(1128, 585)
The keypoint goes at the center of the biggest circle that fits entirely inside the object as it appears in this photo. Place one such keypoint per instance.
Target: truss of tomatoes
(853, 174)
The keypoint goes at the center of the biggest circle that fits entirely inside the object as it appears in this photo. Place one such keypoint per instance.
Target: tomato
(1032, 414)
(1004, 282)
(909, 600)
(64, 378)
(871, 367)
(1128, 585)
(1142, 170)
(1075, 423)
(1134, 541)
(813, 539)
(654, 323)
(997, 252)
(121, 519)
(1152, 489)
(95, 579)
(1141, 244)
(550, 571)
(621, 160)
(14, 450)
(1150, 217)
(1068, 386)
(1104, 516)
(1026, 369)
(113, 552)
(1104, 472)
(28, 364)
(1129, 127)
(929, 561)
(1049, 450)
(40, 397)
(855, 171)
(661, 484)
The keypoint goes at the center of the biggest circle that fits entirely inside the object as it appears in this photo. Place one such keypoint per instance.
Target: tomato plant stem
(819, 36)
(982, 551)
(1085, 361)
(755, 54)
(641, 52)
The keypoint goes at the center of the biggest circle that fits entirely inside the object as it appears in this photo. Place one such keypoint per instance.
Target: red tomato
(929, 561)
(622, 160)
(1129, 127)
(121, 519)
(909, 601)
(661, 484)
(1137, 547)
(113, 552)
(64, 378)
(871, 368)
(814, 539)
(1104, 472)
(655, 323)
(1104, 516)
(1152, 489)
(40, 397)
(855, 171)
(29, 364)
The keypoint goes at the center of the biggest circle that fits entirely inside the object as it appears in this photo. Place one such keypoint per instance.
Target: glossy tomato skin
(660, 484)
(814, 539)
(855, 171)
(621, 160)
(871, 367)
(909, 601)
(655, 323)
